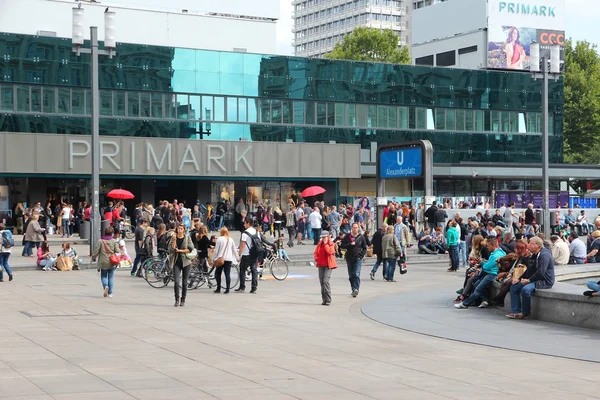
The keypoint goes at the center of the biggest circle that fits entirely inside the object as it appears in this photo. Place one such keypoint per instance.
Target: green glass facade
(468, 115)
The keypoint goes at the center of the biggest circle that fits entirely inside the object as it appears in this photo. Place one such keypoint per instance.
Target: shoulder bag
(221, 259)
(193, 253)
(113, 258)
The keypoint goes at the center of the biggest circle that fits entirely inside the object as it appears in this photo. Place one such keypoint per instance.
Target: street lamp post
(94, 51)
(550, 69)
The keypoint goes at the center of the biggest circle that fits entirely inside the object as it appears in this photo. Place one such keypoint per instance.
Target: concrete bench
(563, 304)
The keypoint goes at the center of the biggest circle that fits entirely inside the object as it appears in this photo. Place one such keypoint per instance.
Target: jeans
(592, 285)
(480, 290)
(529, 228)
(520, 298)
(389, 265)
(376, 266)
(220, 218)
(324, 276)
(28, 248)
(107, 276)
(453, 251)
(66, 227)
(4, 265)
(577, 260)
(244, 264)
(307, 231)
(432, 226)
(138, 259)
(462, 249)
(316, 235)
(227, 269)
(47, 263)
(354, 267)
(178, 272)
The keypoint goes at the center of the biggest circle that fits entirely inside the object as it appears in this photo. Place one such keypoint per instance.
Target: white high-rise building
(424, 3)
(320, 24)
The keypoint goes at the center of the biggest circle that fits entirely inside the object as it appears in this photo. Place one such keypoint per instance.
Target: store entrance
(185, 191)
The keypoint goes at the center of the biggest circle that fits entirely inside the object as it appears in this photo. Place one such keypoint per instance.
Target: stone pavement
(60, 339)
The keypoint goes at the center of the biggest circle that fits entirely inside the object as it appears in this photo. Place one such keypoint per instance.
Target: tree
(581, 103)
(370, 44)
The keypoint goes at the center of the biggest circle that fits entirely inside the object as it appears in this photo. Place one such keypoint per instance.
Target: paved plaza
(60, 339)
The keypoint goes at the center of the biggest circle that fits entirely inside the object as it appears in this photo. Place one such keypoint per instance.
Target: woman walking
(390, 250)
(324, 256)
(104, 249)
(181, 244)
(203, 243)
(34, 236)
(5, 252)
(225, 252)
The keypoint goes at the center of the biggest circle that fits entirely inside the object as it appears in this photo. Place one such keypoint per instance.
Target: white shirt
(225, 247)
(577, 248)
(248, 240)
(66, 213)
(315, 219)
(560, 252)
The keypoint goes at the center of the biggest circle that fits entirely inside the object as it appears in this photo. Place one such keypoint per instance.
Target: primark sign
(152, 157)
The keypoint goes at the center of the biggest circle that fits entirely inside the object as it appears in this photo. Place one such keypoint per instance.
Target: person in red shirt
(324, 256)
(386, 211)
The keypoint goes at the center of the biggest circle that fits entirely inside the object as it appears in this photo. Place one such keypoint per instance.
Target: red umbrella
(312, 191)
(121, 194)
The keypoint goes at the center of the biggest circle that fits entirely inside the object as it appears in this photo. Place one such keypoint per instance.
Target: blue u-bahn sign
(401, 163)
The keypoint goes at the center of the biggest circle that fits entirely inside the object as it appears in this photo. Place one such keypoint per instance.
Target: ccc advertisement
(509, 46)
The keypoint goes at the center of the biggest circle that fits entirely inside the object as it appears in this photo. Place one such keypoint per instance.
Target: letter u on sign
(400, 157)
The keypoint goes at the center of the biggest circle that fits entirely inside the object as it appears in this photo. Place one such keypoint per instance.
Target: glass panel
(106, 102)
(420, 118)
(450, 120)
(275, 111)
(77, 104)
(372, 117)
(460, 120)
(265, 111)
(514, 121)
(495, 121)
(310, 113)
(182, 106)
(382, 117)
(7, 103)
(522, 126)
(430, 119)
(49, 100)
(392, 117)
(479, 121)
(158, 107)
(299, 111)
(469, 120)
(207, 108)
(145, 110)
(64, 101)
(23, 99)
(252, 110)
(504, 117)
(232, 109)
(440, 119)
(219, 109)
(133, 104)
(403, 117)
(340, 117)
(242, 110)
(351, 114)
(119, 103)
(286, 111)
(361, 115)
(87, 95)
(321, 114)
(331, 114)
(36, 99)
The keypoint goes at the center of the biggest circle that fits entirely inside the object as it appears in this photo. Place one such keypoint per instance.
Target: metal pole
(95, 216)
(545, 172)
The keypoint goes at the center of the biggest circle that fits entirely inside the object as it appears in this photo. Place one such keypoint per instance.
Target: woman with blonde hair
(224, 255)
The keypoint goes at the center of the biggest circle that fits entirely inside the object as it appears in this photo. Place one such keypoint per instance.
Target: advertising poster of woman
(508, 47)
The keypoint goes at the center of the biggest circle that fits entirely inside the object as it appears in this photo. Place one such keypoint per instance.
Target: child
(125, 259)
(281, 253)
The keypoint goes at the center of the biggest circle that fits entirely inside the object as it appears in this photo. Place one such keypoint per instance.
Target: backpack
(147, 246)
(257, 247)
(7, 239)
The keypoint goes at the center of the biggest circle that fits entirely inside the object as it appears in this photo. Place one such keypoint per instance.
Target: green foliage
(582, 103)
(370, 44)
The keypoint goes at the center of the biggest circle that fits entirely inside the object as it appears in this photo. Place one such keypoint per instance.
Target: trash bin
(84, 230)
(539, 218)
(103, 225)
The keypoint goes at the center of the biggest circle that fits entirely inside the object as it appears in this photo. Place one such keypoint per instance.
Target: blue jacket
(490, 266)
(544, 272)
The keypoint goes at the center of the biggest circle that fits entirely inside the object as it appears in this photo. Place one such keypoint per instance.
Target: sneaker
(10, 277)
(484, 304)
(355, 293)
(253, 291)
(240, 290)
(372, 275)
(106, 291)
(110, 296)
(461, 306)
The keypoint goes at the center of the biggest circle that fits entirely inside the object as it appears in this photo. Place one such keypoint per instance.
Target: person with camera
(324, 256)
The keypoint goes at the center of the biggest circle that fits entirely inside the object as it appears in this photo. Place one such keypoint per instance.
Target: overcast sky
(583, 16)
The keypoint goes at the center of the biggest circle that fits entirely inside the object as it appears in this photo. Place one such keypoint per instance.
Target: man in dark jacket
(540, 277)
(430, 215)
(440, 217)
(377, 249)
(356, 248)
(508, 243)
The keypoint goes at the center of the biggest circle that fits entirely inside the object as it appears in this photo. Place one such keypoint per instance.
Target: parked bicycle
(200, 276)
(276, 266)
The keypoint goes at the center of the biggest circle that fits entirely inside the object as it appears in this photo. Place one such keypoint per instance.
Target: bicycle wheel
(157, 274)
(235, 275)
(196, 278)
(279, 269)
(129, 232)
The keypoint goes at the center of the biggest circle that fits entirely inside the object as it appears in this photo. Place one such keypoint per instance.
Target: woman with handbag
(390, 251)
(106, 252)
(181, 254)
(224, 255)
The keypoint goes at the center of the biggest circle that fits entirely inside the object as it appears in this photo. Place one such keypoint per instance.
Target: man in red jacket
(325, 259)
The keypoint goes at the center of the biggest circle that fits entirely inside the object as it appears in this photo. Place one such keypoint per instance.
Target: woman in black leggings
(180, 245)
(224, 248)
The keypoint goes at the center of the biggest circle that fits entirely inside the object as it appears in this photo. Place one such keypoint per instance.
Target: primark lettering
(163, 160)
(527, 9)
